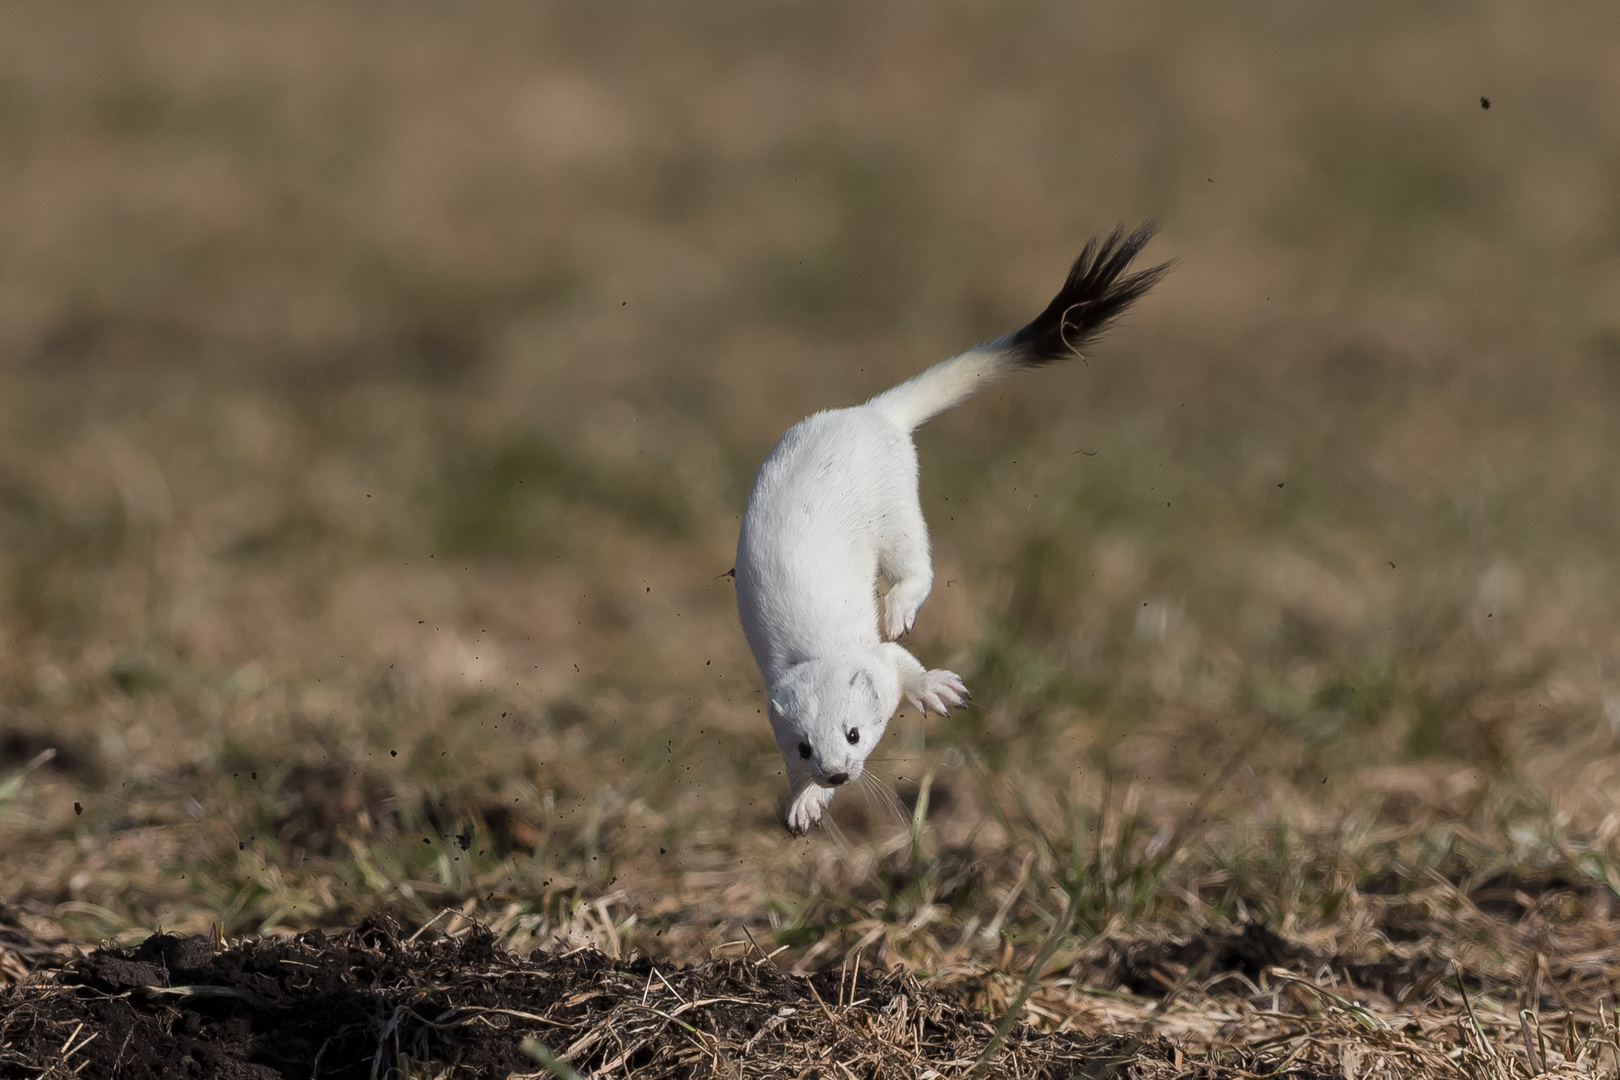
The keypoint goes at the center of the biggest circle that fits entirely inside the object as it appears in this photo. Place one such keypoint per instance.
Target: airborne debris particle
(1484, 102)
(78, 808)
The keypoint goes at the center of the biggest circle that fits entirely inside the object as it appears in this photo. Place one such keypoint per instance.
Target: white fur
(834, 508)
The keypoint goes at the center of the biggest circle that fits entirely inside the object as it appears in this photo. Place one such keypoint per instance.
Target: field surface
(379, 392)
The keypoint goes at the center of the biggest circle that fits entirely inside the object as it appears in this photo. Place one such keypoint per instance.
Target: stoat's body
(834, 508)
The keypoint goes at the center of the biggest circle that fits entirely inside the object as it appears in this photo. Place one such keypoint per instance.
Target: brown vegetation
(379, 391)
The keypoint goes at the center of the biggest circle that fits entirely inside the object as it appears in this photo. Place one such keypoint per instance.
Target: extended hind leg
(903, 559)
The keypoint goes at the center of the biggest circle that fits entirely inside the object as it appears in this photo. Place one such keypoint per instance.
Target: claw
(900, 607)
(939, 691)
(804, 812)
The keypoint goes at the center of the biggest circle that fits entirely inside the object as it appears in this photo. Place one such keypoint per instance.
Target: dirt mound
(360, 1002)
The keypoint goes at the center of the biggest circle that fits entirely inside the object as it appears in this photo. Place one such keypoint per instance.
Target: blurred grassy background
(380, 388)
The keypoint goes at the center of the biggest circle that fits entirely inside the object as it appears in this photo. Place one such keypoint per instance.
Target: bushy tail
(1097, 290)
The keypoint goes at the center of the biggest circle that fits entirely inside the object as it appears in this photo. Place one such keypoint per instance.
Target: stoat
(834, 507)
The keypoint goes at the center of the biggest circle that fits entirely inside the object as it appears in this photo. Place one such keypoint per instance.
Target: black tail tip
(1097, 291)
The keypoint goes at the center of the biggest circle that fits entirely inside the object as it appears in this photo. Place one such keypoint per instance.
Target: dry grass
(449, 1001)
(378, 394)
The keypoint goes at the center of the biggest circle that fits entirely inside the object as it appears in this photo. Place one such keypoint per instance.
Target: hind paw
(901, 604)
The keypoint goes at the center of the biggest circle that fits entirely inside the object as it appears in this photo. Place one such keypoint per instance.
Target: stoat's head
(828, 714)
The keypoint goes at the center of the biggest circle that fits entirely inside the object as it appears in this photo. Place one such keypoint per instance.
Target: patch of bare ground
(374, 1001)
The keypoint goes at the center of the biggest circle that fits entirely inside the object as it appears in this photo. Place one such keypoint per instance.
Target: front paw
(939, 691)
(806, 808)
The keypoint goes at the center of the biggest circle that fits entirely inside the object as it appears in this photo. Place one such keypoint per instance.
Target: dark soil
(374, 1002)
(1155, 968)
(363, 1002)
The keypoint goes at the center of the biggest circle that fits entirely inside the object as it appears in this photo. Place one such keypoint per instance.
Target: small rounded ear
(863, 675)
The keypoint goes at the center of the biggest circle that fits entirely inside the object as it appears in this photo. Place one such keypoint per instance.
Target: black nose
(838, 778)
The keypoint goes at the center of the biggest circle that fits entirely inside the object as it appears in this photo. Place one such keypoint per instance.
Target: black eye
(853, 735)
(804, 750)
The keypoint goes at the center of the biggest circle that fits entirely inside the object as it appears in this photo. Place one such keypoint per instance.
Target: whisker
(893, 808)
(835, 833)
(864, 782)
